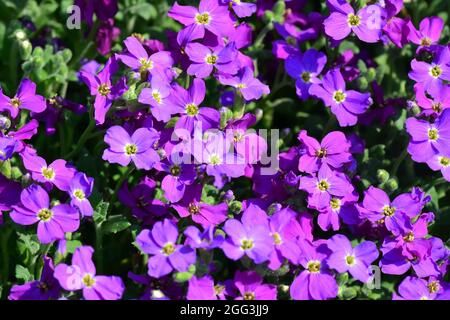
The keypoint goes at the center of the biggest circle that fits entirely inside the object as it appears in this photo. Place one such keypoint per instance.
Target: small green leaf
(100, 212)
(71, 245)
(115, 224)
(23, 273)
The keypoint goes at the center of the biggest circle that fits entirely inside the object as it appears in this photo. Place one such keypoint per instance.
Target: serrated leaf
(100, 212)
(23, 273)
(115, 224)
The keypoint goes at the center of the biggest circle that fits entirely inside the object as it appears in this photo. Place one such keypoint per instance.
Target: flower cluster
(163, 173)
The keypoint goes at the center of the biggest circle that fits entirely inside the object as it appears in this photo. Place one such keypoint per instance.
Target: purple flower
(8, 146)
(167, 255)
(250, 286)
(429, 139)
(9, 194)
(339, 207)
(57, 173)
(367, 23)
(188, 103)
(46, 288)
(440, 163)
(432, 75)
(158, 97)
(82, 275)
(429, 32)
(305, 69)
(244, 82)
(242, 9)
(346, 105)
(106, 34)
(204, 59)
(26, 98)
(52, 222)
(179, 176)
(203, 240)
(101, 87)
(250, 236)
(138, 148)
(315, 282)
(210, 16)
(324, 187)
(413, 288)
(356, 260)
(204, 289)
(332, 151)
(80, 188)
(138, 59)
(377, 207)
(201, 213)
(435, 103)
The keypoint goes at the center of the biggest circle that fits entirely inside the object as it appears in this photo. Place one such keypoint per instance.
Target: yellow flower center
(313, 266)
(168, 249)
(15, 102)
(191, 109)
(437, 107)
(353, 20)
(246, 244)
(306, 77)
(335, 204)
(433, 134)
(241, 86)
(321, 153)
(104, 89)
(409, 237)
(175, 170)
(444, 161)
(88, 280)
(79, 194)
(146, 64)
(388, 211)
(249, 296)
(425, 41)
(214, 159)
(433, 286)
(350, 260)
(218, 289)
(323, 185)
(339, 96)
(211, 59)
(131, 149)
(193, 208)
(48, 173)
(277, 238)
(45, 215)
(436, 71)
(203, 18)
(156, 96)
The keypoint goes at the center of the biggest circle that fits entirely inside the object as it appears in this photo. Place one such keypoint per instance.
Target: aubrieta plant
(224, 149)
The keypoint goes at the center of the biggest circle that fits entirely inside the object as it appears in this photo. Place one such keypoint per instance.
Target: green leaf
(115, 224)
(71, 245)
(23, 273)
(26, 242)
(100, 212)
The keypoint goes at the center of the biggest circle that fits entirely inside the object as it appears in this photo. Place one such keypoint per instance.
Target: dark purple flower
(250, 286)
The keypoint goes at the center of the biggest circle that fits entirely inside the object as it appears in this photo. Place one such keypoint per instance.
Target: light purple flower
(242, 9)
(250, 236)
(413, 288)
(305, 69)
(356, 260)
(80, 188)
(429, 32)
(82, 275)
(138, 147)
(53, 222)
(246, 84)
(202, 239)
(346, 105)
(166, 254)
(26, 98)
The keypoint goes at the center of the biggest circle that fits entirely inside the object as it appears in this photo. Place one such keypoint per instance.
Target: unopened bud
(382, 175)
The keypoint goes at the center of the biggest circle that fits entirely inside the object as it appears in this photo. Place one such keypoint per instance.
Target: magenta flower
(26, 98)
(139, 60)
(429, 32)
(46, 288)
(101, 87)
(332, 151)
(432, 103)
(82, 275)
(440, 163)
(158, 97)
(210, 15)
(346, 105)
(204, 289)
(305, 69)
(246, 84)
(367, 23)
(324, 187)
(205, 60)
(138, 147)
(250, 286)
(429, 139)
(413, 288)
(204, 214)
(53, 222)
(315, 282)
(80, 188)
(242, 9)
(8, 146)
(57, 173)
(250, 236)
(432, 75)
(166, 254)
(356, 260)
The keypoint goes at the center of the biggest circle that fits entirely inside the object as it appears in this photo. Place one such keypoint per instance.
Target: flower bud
(235, 206)
(382, 175)
(391, 185)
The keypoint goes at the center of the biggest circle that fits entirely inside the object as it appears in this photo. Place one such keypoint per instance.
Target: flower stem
(84, 137)
(398, 161)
